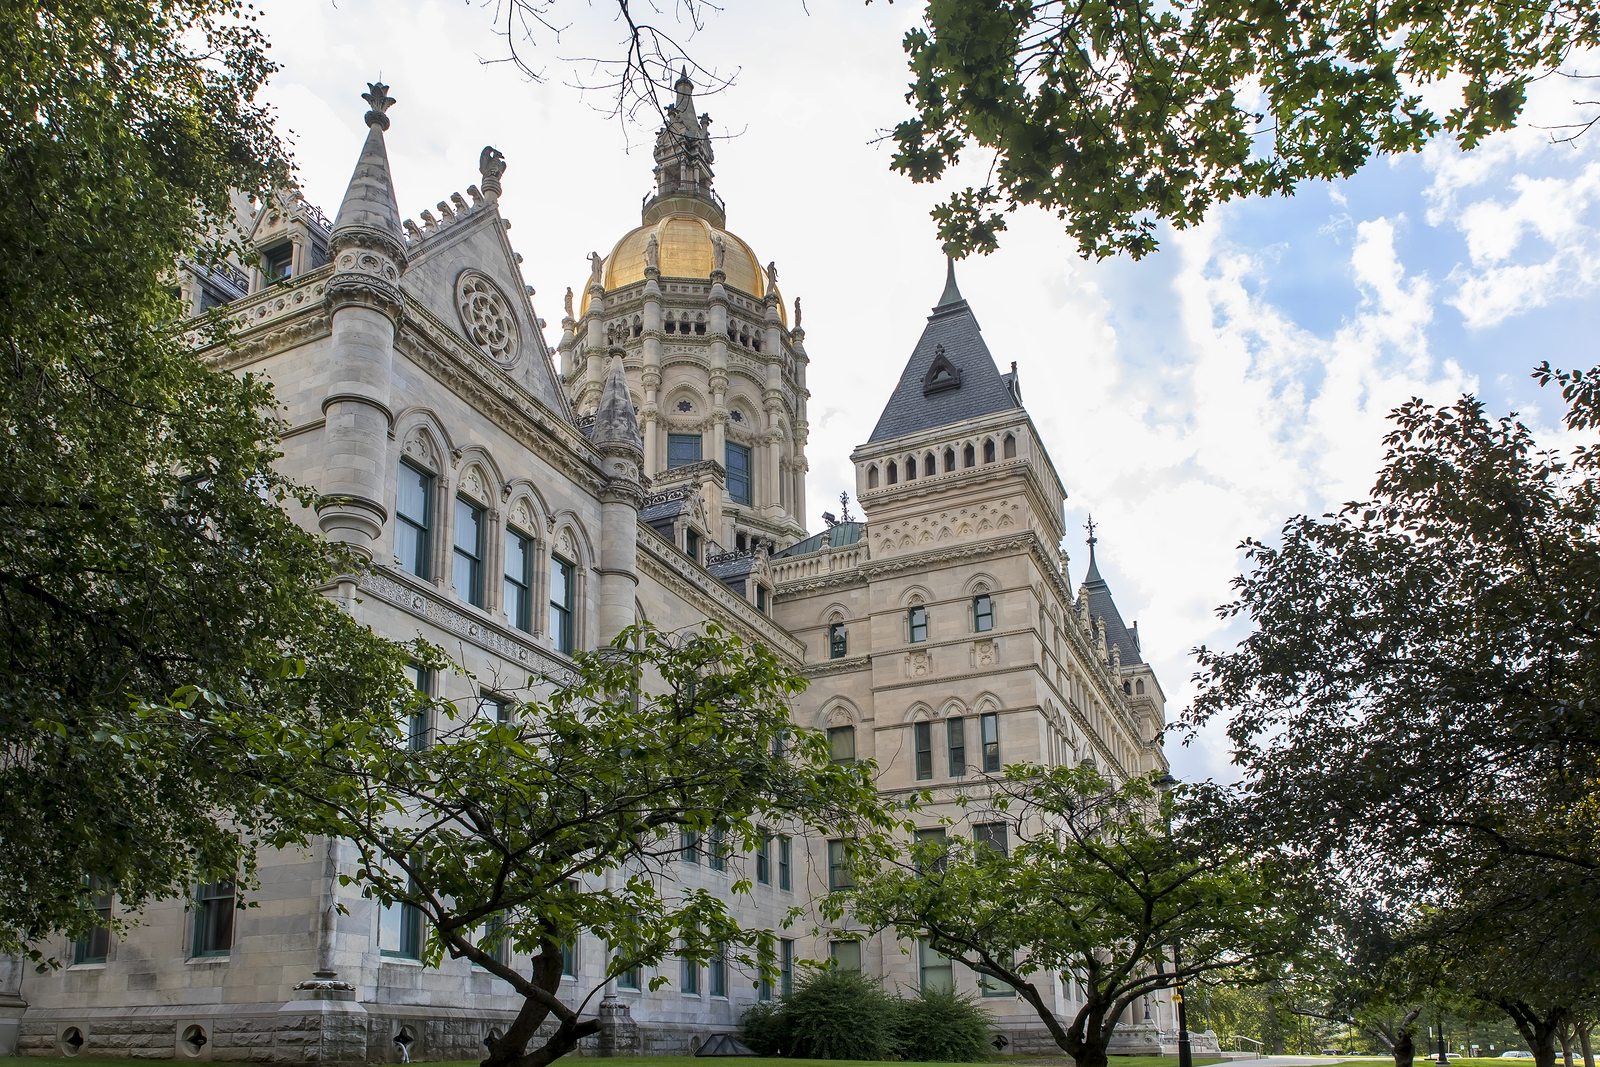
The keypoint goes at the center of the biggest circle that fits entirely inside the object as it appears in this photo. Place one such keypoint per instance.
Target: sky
(1237, 377)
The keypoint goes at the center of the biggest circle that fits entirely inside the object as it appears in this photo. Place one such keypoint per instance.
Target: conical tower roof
(615, 420)
(369, 205)
(950, 377)
(1103, 606)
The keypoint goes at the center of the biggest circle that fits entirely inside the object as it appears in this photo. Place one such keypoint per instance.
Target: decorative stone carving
(486, 316)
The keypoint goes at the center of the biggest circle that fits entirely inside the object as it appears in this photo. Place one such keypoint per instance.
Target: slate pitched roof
(841, 535)
(1101, 605)
(953, 340)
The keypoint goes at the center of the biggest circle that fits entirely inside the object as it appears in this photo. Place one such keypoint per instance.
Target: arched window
(1011, 446)
(872, 476)
(930, 465)
(949, 460)
(969, 456)
(988, 451)
(911, 467)
(894, 472)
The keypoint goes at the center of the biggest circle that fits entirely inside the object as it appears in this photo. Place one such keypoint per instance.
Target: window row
(842, 745)
(935, 971)
(712, 849)
(927, 464)
(210, 925)
(916, 625)
(414, 533)
(687, 449)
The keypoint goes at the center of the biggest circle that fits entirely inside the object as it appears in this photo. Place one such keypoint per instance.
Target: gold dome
(685, 251)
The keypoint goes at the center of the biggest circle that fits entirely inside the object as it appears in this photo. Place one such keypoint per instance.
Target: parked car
(1514, 1054)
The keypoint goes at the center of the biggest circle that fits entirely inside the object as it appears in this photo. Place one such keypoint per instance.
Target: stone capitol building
(521, 501)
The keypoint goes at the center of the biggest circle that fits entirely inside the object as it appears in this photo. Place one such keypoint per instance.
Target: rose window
(486, 316)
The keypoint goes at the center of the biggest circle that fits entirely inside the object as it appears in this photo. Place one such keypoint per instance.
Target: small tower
(364, 305)
(616, 435)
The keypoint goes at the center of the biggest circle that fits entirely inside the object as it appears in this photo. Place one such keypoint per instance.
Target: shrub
(941, 1026)
(840, 1015)
(767, 1029)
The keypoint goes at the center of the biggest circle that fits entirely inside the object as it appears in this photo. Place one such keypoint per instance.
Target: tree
(574, 811)
(1113, 116)
(1097, 888)
(1415, 703)
(158, 607)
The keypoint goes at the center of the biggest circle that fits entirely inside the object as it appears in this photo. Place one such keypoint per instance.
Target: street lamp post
(1444, 1053)
(1185, 1053)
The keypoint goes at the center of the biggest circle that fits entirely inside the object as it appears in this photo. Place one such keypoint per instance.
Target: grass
(718, 1061)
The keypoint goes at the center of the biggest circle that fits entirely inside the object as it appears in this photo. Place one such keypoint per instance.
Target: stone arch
(894, 472)
(930, 463)
(479, 476)
(953, 708)
(915, 595)
(980, 583)
(911, 467)
(872, 476)
(1138, 687)
(988, 450)
(949, 460)
(834, 612)
(421, 428)
(526, 508)
(985, 702)
(679, 393)
(569, 536)
(918, 712)
(969, 455)
(839, 711)
(1008, 448)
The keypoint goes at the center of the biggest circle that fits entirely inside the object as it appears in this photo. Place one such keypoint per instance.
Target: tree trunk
(1538, 1030)
(1584, 1030)
(1564, 1035)
(1405, 1047)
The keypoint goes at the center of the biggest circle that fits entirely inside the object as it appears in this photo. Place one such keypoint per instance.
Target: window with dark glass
(838, 641)
(982, 613)
(413, 506)
(931, 851)
(718, 969)
(764, 859)
(95, 946)
(785, 862)
(494, 709)
(936, 973)
(690, 850)
(562, 598)
(277, 263)
(785, 967)
(716, 850)
(213, 919)
(737, 465)
(691, 544)
(842, 743)
(467, 559)
(400, 930)
(761, 599)
(518, 592)
(417, 727)
(922, 734)
(763, 982)
(494, 940)
(955, 735)
(839, 875)
(690, 981)
(683, 449)
(632, 978)
(917, 623)
(989, 727)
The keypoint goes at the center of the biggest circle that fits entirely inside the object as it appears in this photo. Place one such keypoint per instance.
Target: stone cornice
(847, 665)
(663, 563)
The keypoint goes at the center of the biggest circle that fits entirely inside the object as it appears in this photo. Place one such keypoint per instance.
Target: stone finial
(952, 293)
(567, 303)
(491, 164)
(616, 421)
(379, 102)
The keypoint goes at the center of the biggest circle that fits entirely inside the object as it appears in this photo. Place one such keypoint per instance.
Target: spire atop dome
(952, 293)
(683, 157)
(1094, 568)
(369, 208)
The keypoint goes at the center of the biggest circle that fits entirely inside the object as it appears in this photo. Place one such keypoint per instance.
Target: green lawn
(712, 1061)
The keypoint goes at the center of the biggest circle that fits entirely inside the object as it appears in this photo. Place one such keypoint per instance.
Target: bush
(942, 1026)
(766, 1029)
(837, 1015)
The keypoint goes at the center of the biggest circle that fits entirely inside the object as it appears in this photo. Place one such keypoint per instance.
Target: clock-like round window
(486, 316)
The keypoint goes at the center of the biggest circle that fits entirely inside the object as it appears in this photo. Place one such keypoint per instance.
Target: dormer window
(691, 544)
(277, 263)
(942, 375)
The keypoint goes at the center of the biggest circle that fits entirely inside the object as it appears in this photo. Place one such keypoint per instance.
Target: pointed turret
(683, 162)
(369, 210)
(616, 421)
(950, 377)
(1103, 608)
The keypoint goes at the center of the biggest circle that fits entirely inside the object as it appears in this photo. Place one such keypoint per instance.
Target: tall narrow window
(989, 727)
(738, 471)
(400, 930)
(413, 507)
(922, 734)
(955, 736)
(917, 624)
(785, 967)
(562, 597)
(691, 544)
(932, 842)
(716, 850)
(569, 958)
(494, 940)
(690, 852)
(936, 973)
(632, 978)
(764, 983)
(493, 709)
(842, 744)
(761, 599)
(95, 946)
(213, 919)
(690, 980)
(683, 449)
(838, 641)
(785, 862)
(839, 873)
(983, 612)
(467, 558)
(518, 593)
(277, 263)
(417, 727)
(718, 969)
(846, 955)
(764, 859)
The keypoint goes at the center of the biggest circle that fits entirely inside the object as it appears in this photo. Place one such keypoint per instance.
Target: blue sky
(1237, 377)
